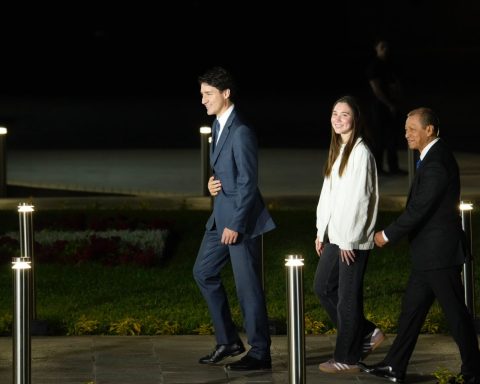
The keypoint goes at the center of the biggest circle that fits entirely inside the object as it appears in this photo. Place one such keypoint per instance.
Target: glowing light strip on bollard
(294, 262)
(21, 265)
(466, 206)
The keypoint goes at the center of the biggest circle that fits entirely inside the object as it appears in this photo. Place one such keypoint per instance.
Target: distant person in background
(437, 247)
(346, 216)
(233, 231)
(387, 96)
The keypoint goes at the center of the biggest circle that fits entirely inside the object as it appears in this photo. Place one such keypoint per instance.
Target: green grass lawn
(94, 299)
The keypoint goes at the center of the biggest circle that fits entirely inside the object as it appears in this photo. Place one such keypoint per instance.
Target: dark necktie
(216, 131)
(419, 161)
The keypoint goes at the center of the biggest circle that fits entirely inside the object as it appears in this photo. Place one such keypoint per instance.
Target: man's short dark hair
(219, 78)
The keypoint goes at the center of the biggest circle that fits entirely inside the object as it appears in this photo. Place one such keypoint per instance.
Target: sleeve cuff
(385, 236)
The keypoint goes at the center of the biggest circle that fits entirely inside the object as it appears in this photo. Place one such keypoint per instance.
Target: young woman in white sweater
(346, 215)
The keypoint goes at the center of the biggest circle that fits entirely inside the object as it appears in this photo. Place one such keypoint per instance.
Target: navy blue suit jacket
(239, 206)
(432, 217)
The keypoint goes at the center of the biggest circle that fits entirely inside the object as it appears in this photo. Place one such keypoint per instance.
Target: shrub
(144, 247)
(126, 327)
(204, 329)
(83, 326)
(445, 376)
(160, 327)
(314, 327)
(6, 322)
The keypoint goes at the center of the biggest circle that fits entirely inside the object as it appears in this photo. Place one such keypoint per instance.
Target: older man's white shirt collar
(427, 148)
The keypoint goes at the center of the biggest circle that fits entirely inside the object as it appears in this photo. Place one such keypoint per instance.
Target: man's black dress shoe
(382, 370)
(223, 351)
(248, 363)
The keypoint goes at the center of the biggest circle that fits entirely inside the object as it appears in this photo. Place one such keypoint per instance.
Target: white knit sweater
(347, 207)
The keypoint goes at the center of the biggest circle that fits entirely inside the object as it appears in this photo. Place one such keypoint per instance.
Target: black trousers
(423, 287)
(339, 288)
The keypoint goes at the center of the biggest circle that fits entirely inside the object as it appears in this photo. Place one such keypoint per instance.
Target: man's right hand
(214, 186)
(379, 239)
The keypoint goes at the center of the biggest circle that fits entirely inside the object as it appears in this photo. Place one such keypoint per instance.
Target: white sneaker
(372, 342)
(332, 366)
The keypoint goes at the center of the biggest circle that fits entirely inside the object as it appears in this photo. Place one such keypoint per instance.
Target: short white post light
(468, 270)
(296, 322)
(205, 133)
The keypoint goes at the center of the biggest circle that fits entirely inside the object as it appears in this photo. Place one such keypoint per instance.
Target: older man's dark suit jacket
(432, 221)
(432, 217)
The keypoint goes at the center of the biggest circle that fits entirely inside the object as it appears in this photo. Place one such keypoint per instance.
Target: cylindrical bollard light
(21, 320)
(25, 215)
(468, 268)
(296, 322)
(205, 133)
(3, 162)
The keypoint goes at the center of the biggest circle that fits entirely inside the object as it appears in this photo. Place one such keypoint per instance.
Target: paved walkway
(174, 359)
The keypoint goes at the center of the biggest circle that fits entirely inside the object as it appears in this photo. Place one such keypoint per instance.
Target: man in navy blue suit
(437, 247)
(233, 231)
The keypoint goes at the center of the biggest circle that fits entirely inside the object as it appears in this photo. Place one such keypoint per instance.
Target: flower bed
(112, 247)
(107, 240)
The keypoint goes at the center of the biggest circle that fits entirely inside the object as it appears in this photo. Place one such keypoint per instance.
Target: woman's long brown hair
(336, 139)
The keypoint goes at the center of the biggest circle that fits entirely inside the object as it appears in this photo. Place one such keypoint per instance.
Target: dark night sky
(293, 55)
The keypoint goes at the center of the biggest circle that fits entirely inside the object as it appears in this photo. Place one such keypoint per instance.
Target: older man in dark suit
(437, 247)
(233, 230)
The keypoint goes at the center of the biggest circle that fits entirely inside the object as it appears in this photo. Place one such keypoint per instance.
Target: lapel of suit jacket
(431, 151)
(223, 137)
(414, 183)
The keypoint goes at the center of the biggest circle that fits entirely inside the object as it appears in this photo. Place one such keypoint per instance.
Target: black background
(92, 75)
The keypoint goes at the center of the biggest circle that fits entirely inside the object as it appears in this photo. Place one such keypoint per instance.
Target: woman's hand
(347, 256)
(318, 246)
